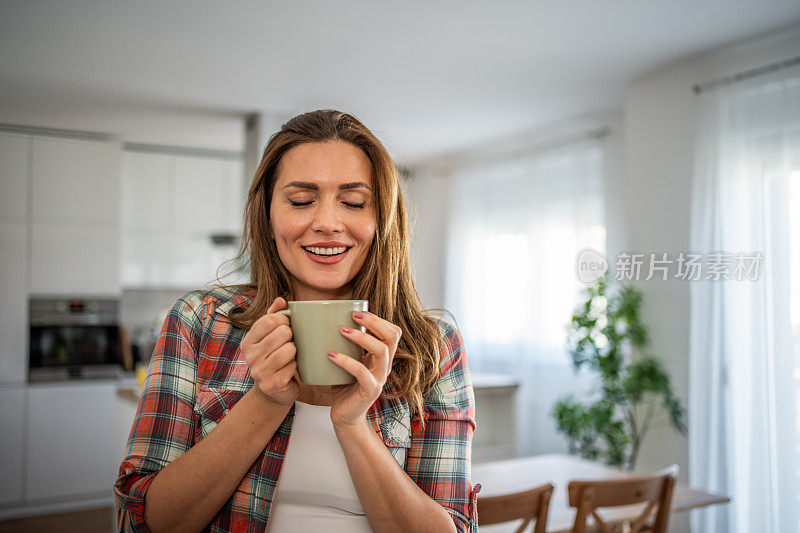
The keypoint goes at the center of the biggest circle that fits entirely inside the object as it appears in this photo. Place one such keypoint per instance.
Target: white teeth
(326, 251)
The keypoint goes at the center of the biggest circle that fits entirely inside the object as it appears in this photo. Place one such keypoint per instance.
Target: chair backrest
(655, 489)
(526, 505)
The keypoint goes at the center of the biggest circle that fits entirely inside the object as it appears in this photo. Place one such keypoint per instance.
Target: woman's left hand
(350, 403)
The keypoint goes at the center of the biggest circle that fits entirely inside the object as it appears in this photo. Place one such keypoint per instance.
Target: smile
(325, 251)
(326, 256)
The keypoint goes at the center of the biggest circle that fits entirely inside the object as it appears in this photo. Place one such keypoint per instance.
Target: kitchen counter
(494, 381)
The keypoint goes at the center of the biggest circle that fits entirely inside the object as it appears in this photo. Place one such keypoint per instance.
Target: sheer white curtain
(516, 229)
(744, 404)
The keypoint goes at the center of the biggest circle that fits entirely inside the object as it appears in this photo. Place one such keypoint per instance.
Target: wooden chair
(526, 505)
(655, 489)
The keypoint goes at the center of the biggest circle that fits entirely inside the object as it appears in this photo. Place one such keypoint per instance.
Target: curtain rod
(747, 74)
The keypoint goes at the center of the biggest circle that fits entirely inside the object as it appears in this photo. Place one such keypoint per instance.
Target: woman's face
(322, 217)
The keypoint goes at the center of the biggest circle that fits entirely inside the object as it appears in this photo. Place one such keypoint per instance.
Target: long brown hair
(385, 278)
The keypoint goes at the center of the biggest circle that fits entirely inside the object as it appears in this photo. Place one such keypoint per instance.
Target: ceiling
(426, 77)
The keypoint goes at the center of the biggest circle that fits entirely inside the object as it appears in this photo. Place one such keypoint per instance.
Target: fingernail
(346, 329)
(358, 314)
(331, 354)
(367, 313)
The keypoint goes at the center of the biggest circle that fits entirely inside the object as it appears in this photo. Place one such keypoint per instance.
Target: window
(516, 230)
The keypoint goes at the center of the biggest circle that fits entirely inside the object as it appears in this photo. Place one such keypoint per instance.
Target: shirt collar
(233, 300)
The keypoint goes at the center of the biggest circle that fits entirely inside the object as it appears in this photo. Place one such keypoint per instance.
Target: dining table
(522, 473)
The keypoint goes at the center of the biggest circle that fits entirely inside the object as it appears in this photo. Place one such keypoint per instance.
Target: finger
(263, 326)
(284, 376)
(366, 381)
(372, 345)
(297, 376)
(273, 340)
(281, 357)
(263, 368)
(278, 304)
(382, 329)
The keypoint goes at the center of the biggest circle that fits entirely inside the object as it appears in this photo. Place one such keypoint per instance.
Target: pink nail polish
(346, 329)
(358, 314)
(331, 354)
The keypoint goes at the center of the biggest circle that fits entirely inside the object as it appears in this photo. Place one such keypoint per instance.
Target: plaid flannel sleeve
(439, 459)
(164, 425)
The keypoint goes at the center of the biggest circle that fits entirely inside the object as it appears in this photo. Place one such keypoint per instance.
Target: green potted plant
(633, 393)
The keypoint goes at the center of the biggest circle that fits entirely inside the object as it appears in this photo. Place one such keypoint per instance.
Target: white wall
(660, 111)
(427, 198)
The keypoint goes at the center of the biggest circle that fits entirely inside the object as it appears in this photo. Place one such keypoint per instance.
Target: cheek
(367, 233)
(286, 228)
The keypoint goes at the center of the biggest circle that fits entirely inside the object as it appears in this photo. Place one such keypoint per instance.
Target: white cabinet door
(161, 259)
(75, 180)
(13, 302)
(495, 414)
(12, 416)
(125, 415)
(72, 440)
(146, 190)
(201, 190)
(14, 150)
(171, 205)
(74, 259)
(173, 260)
(234, 196)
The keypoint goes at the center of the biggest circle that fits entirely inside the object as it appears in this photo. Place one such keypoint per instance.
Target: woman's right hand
(269, 352)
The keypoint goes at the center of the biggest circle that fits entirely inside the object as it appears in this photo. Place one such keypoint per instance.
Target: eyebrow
(313, 186)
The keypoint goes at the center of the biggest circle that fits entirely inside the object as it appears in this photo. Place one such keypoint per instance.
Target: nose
(326, 219)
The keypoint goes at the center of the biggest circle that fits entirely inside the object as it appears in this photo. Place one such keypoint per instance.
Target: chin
(322, 286)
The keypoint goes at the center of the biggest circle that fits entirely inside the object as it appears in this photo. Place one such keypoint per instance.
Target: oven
(74, 338)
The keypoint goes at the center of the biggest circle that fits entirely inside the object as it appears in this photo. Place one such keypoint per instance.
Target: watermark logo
(684, 266)
(590, 265)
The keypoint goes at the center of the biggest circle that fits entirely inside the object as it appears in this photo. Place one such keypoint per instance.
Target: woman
(210, 446)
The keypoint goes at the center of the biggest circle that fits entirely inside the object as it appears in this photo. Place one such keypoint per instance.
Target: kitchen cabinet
(172, 260)
(208, 194)
(75, 180)
(74, 218)
(13, 302)
(172, 203)
(125, 415)
(495, 434)
(12, 420)
(72, 445)
(146, 191)
(70, 258)
(14, 153)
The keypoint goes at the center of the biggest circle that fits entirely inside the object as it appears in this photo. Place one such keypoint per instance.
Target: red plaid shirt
(197, 372)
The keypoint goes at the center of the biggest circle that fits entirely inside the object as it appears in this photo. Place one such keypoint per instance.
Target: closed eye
(348, 204)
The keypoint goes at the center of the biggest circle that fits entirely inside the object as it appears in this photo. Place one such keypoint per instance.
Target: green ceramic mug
(316, 328)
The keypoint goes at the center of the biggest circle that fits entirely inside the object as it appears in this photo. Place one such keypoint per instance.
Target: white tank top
(315, 491)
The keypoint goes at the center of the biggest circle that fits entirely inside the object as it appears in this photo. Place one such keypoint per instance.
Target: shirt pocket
(396, 434)
(211, 405)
